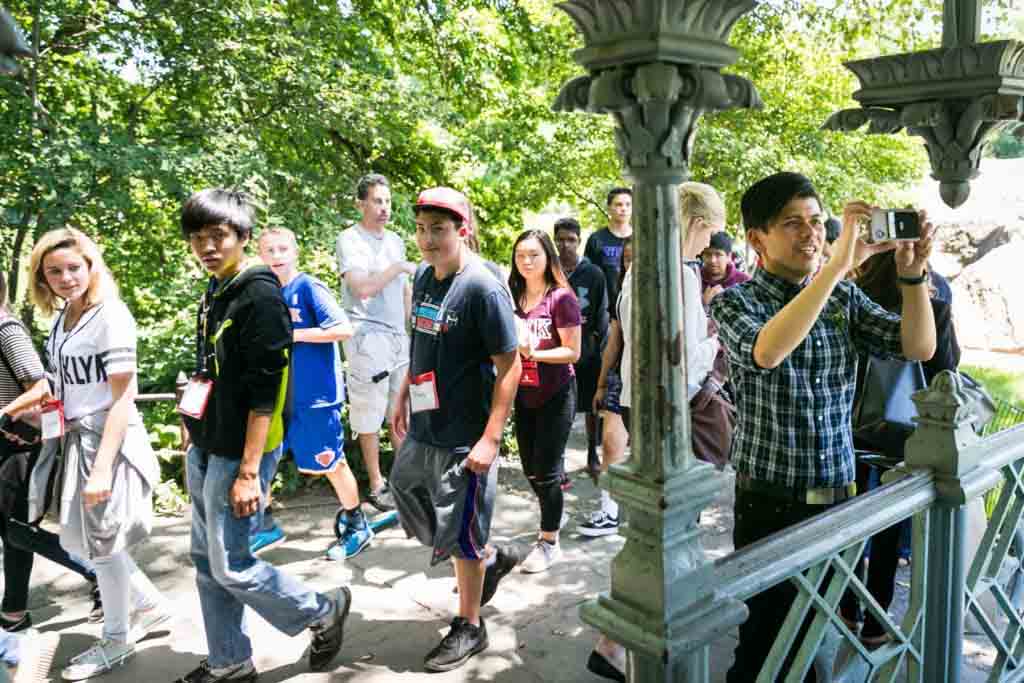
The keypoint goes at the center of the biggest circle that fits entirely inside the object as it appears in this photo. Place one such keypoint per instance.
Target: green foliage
(1006, 144)
(1004, 385)
(132, 106)
(800, 77)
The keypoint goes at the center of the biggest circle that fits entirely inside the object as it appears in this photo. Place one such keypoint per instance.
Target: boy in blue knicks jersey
(315, 435)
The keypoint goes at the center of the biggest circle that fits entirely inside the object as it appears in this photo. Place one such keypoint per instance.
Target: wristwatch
(913, 280)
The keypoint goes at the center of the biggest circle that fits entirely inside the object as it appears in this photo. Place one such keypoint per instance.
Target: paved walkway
(400, 607)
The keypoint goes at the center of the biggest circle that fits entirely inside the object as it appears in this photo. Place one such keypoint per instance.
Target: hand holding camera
(912, 254)
(900, 225)
(850, 250)
(869, 230)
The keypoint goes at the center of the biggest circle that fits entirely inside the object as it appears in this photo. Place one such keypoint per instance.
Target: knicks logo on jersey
(294, 309)
(540, 328)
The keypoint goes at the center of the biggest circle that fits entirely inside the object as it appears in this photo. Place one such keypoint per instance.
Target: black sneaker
(96, 613)
(328, 633)
(15, 625)
(381, 498)
(506, 559)
(240, 673)
(462, 642)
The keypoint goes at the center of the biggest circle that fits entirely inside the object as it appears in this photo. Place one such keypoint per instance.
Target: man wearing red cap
(451, 411)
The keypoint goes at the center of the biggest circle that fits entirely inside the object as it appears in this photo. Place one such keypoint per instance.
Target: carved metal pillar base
(945, 441)
(654, 66)
(952, 97)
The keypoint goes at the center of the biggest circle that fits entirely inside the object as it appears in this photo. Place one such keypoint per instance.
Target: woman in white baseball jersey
(109, 469)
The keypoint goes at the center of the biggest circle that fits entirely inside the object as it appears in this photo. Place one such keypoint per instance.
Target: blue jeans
(229, 577)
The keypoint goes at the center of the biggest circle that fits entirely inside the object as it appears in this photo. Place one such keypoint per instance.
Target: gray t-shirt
(360, 249)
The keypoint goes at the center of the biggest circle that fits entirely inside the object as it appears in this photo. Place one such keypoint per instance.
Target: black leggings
(18, 559)
(542, 433)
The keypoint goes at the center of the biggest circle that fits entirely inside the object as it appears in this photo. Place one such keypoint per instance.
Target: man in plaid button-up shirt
(793, 342)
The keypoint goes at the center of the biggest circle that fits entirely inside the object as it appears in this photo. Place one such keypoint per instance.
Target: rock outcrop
(988, 306)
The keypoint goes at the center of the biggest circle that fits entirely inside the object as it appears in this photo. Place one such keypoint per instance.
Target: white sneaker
(599, 524)
(541, 557)
(144, 622)
(35, 654)
(103, 656)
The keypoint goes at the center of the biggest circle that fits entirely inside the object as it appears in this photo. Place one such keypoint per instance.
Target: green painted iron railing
(1001, 546)
(818, 558)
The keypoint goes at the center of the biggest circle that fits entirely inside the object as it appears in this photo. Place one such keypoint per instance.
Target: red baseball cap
(448, 199)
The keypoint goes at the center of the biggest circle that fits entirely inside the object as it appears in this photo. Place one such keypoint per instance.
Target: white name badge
(423, 393)
(194, 398)
(51, 420)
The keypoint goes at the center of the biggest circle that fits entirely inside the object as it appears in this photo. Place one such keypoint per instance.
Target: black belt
(818, 496)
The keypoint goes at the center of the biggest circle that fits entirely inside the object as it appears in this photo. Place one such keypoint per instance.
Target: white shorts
(367, 355)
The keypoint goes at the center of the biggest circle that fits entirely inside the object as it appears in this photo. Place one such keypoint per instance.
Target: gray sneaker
(102, 657)
(541, 558)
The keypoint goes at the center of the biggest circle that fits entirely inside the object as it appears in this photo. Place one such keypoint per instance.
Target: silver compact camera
(894, 224)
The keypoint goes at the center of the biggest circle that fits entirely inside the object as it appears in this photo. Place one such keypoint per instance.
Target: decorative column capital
(657, 106)
(654, 65)
(619, 32)
(952, 97)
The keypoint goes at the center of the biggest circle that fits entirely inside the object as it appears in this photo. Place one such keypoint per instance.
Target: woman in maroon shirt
(549, 342)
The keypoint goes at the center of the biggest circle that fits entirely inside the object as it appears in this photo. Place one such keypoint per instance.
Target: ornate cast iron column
(952, 96)
(945, 442)
(654, 65)
(12, 45)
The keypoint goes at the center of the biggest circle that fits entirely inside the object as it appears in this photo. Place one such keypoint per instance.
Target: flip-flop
(599, 665)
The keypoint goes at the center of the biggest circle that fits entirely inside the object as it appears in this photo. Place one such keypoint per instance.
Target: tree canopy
(132, 105)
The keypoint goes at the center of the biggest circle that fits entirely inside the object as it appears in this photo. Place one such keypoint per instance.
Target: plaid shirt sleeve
(873, 329)
(739, 322)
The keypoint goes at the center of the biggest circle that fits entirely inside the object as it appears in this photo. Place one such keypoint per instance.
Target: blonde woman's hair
(278, 230)
(101, 283)
(699, 200)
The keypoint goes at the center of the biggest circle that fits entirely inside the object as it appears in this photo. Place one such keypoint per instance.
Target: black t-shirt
(458, 324)
(589, 284)
(604, 250)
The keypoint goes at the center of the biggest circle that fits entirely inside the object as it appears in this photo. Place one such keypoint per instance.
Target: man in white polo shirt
(375, 294)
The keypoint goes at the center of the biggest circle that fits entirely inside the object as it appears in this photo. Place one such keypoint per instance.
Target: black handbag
(884, 414)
